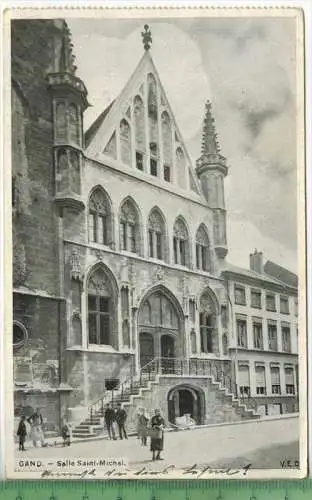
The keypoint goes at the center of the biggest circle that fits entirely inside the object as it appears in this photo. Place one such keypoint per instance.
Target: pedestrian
(66, 434)
(36, 431)
(143, 420)
(110, 417)
(157, 435)
(121, 417)
(22, 433)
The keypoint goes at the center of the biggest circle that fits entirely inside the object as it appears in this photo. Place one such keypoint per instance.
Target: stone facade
(119, 243)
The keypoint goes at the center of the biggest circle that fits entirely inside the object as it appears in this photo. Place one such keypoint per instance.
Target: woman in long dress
(157, 442)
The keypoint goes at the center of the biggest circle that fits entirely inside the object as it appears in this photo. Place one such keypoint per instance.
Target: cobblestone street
(266, 443)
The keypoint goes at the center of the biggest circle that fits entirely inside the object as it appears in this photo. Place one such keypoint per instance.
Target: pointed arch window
(202, 249)
(167, 145)
(139, 123)
(125, 142)
(207, 325)
(153, 124)
(156, 235)
(180, 243)
(99, 217)
(129, 227)
(180, 165)
(101, 308)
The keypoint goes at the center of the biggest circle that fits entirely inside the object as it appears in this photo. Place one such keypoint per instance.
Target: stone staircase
(142, 390)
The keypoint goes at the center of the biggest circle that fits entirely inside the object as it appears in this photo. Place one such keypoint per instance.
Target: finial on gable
(146, 37)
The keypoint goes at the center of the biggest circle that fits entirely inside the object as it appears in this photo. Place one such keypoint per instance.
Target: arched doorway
(160, 328)
(186, 400)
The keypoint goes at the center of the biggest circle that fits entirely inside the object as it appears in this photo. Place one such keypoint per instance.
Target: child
(66, 434)
(22, 433)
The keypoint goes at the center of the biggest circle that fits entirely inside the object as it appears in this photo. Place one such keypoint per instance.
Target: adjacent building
(120, 273)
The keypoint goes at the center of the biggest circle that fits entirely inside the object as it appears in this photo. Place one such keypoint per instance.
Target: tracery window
(156, 235)
(180, 243)
(202, 249)
(207, 324)
(129, 227)
(100, 217)
(101, 308)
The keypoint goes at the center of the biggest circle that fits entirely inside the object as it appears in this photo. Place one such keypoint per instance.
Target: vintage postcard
(155, 215)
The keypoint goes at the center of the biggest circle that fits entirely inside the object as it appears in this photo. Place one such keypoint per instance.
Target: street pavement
(212, 445)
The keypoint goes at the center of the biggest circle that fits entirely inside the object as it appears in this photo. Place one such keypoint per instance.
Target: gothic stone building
(119, 247)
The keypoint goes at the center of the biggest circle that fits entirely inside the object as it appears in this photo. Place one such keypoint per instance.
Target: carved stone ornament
(76, 271)
(159, 274)
(99, 254)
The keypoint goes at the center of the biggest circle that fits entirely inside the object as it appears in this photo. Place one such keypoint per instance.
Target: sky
(246, 67)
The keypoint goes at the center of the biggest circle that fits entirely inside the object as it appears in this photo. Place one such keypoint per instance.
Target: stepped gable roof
(281, 273)
(92, 130)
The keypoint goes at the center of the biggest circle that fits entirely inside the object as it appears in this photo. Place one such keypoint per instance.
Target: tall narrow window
(202, 249)
(129, 227)
(125, 316)
(153, 123)
(125, 142)
(180, 166)
(241, 330)
(156, 235)
(286, 341)
(272, 335)
(257, 333)
(275, 380)
(99, 217)
(101, 307)
(207, 325)
(139, 125)
(260, 379)
(167, 144)
(270, 302)
(290, 380)
(244, 380)
(181, 243)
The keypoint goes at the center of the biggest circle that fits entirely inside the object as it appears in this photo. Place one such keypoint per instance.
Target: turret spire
(67, 58)
(146, 37)
(210, 144)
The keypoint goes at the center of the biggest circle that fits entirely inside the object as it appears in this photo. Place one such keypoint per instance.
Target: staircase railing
(171, 366)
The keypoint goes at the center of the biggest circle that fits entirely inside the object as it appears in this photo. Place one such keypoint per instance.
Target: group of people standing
(153, 428)
(113, 417)
(36, 431)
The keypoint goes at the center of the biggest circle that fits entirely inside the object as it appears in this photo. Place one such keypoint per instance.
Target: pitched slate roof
(230, 268)
(92, 130)
(280, 273)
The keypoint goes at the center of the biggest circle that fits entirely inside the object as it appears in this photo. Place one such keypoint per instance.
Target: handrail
(174, 366)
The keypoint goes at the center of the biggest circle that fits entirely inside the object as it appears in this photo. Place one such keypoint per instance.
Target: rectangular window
(256, 299)
(92, 227)
(182, 252)
(204, 258)
(139, 160)
(241, 328)
(123, 236)
(131, 235)
(257, 334)
(244, 380)
(104, 304)
(275, 380)
(153, 167)
(103, 230)
(272, 336)
(296, 307)
(240, 296)
(270, 302)
(158, 246)
(198, 266)
(290, 380)
(192, 310)
(167, 173)
(284, 305)
(151, 243)
(260, 380)
(92, 302)
(104, 330)
(175, 250)
(286, 343)
(92, 328)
